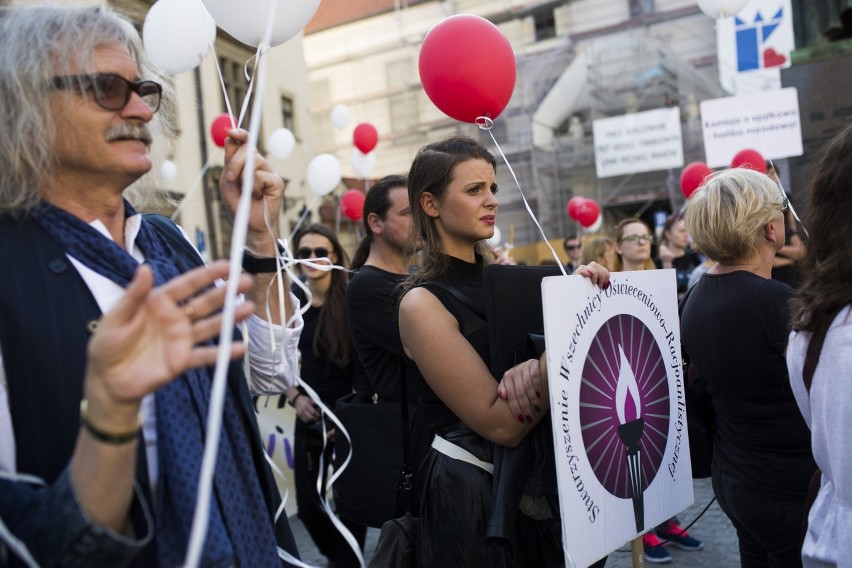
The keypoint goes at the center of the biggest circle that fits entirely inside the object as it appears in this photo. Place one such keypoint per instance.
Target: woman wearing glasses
(633, 241)
(326, 358)
(734, 327)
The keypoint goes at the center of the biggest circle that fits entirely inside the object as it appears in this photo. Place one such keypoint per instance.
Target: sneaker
(655, 552)
(671, 532)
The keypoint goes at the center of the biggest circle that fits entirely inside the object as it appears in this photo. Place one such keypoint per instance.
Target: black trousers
(306, 468)
(769, 528)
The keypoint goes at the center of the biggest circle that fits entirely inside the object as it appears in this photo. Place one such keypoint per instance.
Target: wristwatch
(259, 265)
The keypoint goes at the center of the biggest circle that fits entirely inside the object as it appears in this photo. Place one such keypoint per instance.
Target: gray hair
(39, 43)
(726, 215)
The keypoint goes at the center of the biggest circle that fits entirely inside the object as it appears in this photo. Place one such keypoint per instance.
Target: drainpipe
(212, 238)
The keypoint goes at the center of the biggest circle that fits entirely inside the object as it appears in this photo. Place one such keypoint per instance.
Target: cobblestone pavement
(714, 528)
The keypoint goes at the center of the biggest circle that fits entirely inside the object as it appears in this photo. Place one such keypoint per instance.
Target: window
(641, 7)
(287, 120)
(321, 119)
(236, 86)
(403, 100)
(545, 25)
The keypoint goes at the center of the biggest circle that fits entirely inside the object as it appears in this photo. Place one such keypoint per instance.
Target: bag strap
(464, 300)
(812, 357)
(405, 484)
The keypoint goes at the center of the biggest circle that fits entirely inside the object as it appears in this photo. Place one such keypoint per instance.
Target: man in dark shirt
(381, 262)
(574, 247)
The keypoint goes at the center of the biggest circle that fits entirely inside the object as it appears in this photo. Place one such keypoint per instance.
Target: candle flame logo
(626, 383)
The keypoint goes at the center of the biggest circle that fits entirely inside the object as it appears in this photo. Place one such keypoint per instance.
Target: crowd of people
(109, 324)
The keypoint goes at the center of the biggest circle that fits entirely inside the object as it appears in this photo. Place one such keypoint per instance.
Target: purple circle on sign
(605, 407)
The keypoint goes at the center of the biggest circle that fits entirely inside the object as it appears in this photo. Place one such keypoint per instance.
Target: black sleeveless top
(465, 277)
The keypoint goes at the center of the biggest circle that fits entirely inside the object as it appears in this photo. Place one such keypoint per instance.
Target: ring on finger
(189, 311)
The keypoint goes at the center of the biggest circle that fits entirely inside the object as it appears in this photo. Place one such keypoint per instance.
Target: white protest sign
(767, 122)
(618, 408)
(276, 422)
(754, 46)
(638, 142)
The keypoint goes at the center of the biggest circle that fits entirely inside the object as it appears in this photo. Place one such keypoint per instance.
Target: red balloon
(693, 176)
(751, 159)
(588, 212)
(365, 137)
(573, 204)
(220, 127)
(352, 204)
(467, 68)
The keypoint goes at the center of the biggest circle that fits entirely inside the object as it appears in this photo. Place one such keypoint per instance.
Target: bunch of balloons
(363, 159)
(585, 211)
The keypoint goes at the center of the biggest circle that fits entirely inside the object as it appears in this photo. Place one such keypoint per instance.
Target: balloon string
(224, 88)
(195, 185)
(200, 519)
(485, 123)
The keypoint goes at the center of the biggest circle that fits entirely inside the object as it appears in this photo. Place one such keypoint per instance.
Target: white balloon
(340, 116)
(721, 8)
(178, 34)
(362, 163)
(323, 174)
(168, 171)
(246, 20)
(281, 143)
(596, 226)
(495, 239)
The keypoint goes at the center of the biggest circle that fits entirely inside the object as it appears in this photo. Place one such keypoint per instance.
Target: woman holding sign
(734, 327)
(452, 187)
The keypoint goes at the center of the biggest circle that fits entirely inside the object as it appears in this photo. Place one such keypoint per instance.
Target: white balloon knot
(484, 122)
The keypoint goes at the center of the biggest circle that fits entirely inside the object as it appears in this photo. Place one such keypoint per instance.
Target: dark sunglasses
(306, 252)
(573, 247)
(111, 91)
(785, 203)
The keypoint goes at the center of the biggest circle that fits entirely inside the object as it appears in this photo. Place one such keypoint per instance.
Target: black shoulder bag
(398, 539)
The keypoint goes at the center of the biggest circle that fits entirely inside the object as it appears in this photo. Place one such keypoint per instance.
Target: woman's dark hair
(671, 221)
(378, 201)
(332, 331)
(431, 172)
(827, 266)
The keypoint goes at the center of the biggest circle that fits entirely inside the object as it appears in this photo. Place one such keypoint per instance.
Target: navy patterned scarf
(240, 532)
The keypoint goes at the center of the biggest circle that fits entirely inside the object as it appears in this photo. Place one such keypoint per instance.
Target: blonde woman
(734, 328)
(602, 251)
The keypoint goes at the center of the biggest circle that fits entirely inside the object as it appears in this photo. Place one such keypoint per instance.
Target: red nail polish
(538, 394)
(529, 419)
(520, 418)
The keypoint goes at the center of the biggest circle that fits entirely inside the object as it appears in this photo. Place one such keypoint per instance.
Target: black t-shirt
(329, 380)
(372, 310)
(735, 329)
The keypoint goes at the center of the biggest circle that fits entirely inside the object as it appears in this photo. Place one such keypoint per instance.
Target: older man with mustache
(99, 461)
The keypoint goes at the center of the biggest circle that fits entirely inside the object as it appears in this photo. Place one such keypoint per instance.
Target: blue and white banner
(754, 46)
